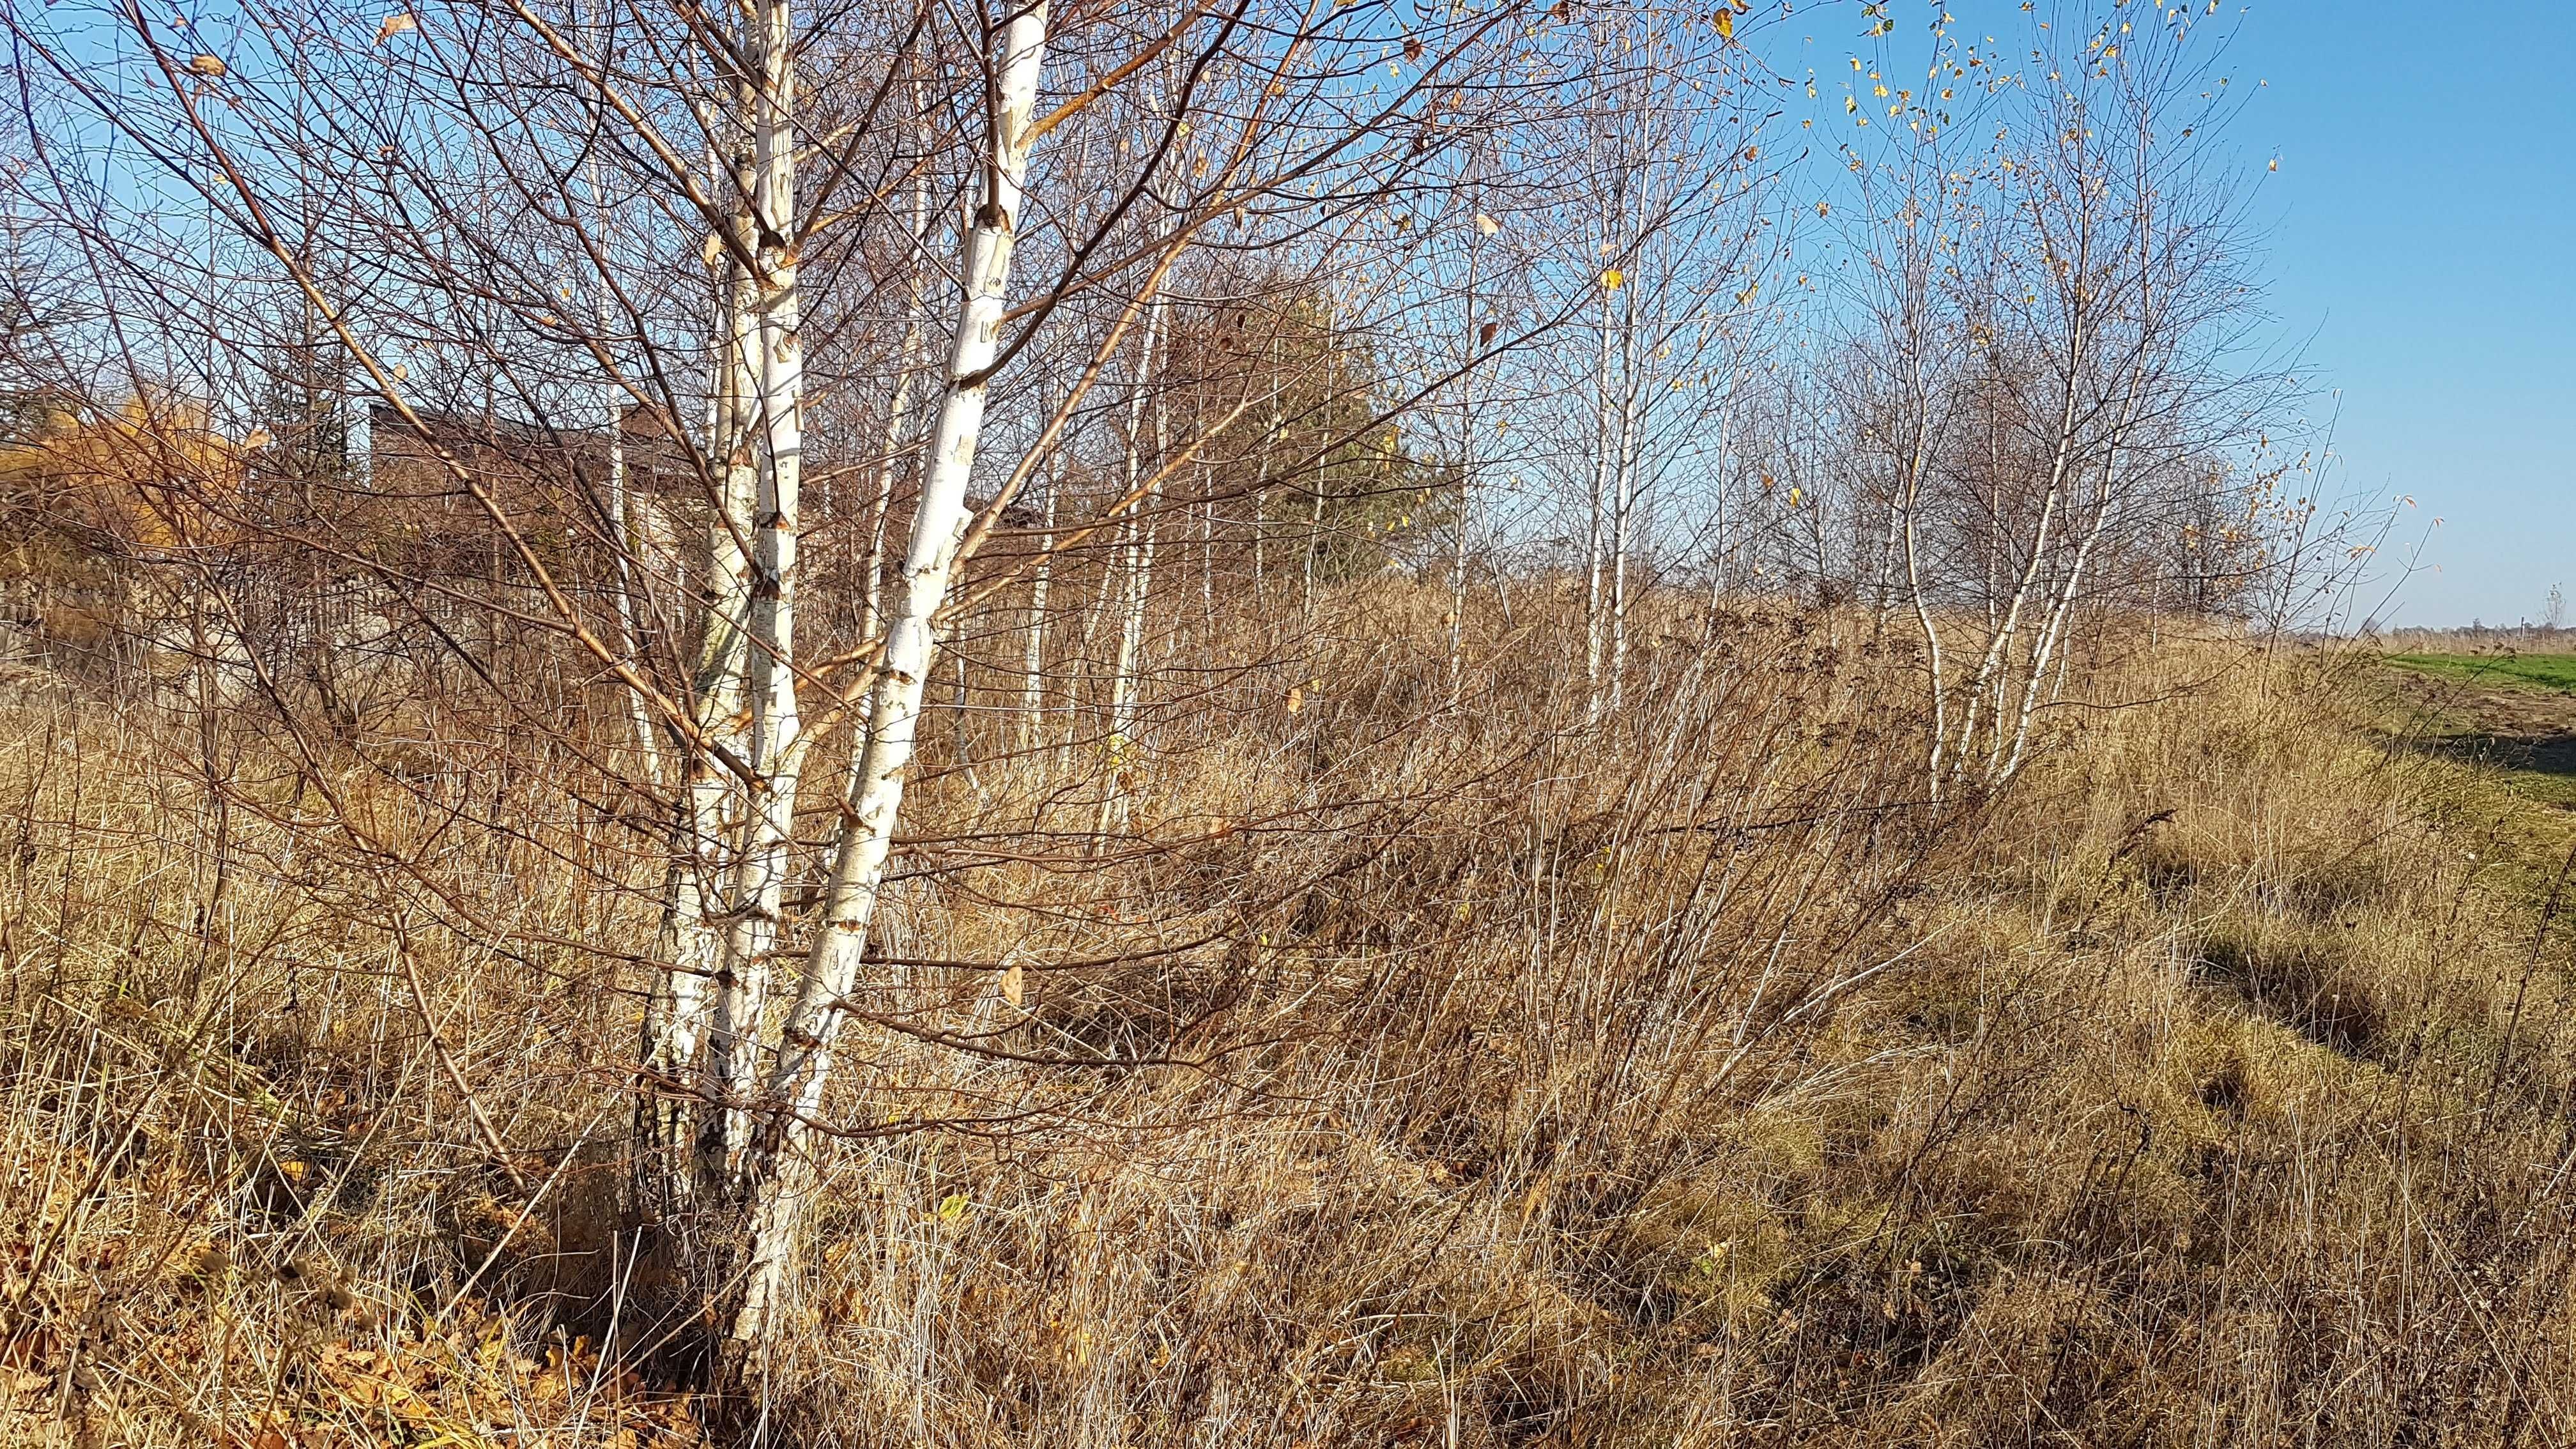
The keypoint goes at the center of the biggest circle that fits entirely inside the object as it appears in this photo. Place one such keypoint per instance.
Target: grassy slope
(2220, 1098)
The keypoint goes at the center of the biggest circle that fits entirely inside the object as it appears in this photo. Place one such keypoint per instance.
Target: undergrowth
(1688, 1080)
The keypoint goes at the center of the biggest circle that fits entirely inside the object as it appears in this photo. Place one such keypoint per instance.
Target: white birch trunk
(1033, 660)
(763, 463)
(1137, 567)
(781, 1167)
(1466, 478)
(1323, 460)
(1623, 502)
(2044, 648)
(1595, 637)
(2052, 635)
(1314, 541)
(1261, 481)
(691, 938)
(675, 1004)
(1909, 502)
(1998, 647)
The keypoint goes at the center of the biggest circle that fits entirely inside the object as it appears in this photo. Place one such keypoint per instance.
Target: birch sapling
(1137, 572)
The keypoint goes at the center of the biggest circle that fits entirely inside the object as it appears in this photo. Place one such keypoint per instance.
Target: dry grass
(1490, 1080)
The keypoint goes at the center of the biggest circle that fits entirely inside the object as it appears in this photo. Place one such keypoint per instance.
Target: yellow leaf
(1725, 22)
(207, 65)
(1611, 279)
(394, 24)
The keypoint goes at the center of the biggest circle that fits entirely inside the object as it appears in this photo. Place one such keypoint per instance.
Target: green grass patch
(2553, 672)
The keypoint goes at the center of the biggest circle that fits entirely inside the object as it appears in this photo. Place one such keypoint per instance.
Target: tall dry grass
(1403, 1070)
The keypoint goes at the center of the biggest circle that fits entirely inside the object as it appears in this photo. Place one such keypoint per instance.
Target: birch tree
(2046, 356)
(748, 199)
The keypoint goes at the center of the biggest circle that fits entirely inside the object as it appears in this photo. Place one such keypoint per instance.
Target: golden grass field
(1684, 1080)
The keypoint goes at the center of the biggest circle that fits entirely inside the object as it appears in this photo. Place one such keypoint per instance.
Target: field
(1267, 726)
(2212, 1089)
(2555, 672)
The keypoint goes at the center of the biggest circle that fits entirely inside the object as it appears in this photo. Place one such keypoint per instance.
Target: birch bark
(1623, 500)
(1137, 561)
(1033, 659)
(764, 467)
(691, 940)
(1595, 634)
(1466, 468)
(781, 1167)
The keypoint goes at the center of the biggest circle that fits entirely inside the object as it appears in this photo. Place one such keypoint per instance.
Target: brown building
(551, 484)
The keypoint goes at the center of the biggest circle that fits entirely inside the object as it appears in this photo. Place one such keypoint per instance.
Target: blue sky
(2421, 231)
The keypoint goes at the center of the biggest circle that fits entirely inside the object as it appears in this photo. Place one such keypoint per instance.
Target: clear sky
(2423, 249)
